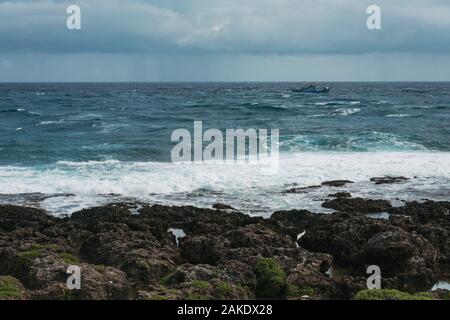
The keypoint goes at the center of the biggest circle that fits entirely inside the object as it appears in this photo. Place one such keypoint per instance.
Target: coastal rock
(340, 195)
(336, 183)
(397, 251)
(221, 206)
(355, 241)
(358, 205)
(301, 189)
(388, 179)
(97, 283)
(428, 211)
(430, 219)
(225, 254)
(11, 289)
(144, 251)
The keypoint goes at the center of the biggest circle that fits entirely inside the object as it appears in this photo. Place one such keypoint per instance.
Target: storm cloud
(159, 40)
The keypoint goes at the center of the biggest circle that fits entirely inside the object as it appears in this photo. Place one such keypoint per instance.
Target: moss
(27, 256)
(68, 258)
(224, 291)
(37, 246)
(195, 296)
(142, 264)
(390, 294)
(41, 247)
(294, 291)
(424, 296)
(9, 288)
(36, 251)
(99, 267)
(167, 278)
(70, 294)
(270, 279)
(157, 297)
(227, 291)
(54, 247)
(199, 284)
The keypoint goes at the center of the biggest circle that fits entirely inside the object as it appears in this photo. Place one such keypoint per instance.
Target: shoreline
(61, 191)
(196, 253)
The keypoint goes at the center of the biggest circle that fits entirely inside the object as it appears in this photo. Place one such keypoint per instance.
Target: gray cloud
(233, 26)
(204, 40)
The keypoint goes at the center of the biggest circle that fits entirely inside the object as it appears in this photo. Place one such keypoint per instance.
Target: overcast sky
(224, 40)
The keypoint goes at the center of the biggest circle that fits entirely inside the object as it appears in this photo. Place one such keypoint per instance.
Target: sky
(224, 40)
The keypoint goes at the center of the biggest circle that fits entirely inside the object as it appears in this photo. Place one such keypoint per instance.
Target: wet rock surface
(222, 206)
(340, 195)
(301, 189)
(336, 183)
(345, 204)
(224, 254)
(388, 179)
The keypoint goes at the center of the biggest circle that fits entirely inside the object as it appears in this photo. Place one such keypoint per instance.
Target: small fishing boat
(312, 88)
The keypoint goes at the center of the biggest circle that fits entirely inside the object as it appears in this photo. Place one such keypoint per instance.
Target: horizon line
(234, 81)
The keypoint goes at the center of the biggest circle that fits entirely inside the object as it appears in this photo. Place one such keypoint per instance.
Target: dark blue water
(45, 123)
(68, 146)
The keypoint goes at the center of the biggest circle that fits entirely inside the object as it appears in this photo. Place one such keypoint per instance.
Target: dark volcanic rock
(358, 205)
(340, 195)
(398, 252)
(37, 249)
(388, 179)
(221, 206)
(430, 219)
(336, 183)
(301, 189)
(128, 256)
(427, 211)
(409, 260)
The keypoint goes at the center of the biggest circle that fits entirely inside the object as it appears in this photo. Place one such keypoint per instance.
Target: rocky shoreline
(192, 253)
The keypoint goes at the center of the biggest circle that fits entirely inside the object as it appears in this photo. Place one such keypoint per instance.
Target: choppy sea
(64, 147)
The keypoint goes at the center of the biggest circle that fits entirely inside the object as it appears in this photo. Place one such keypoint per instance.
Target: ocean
(64, 147)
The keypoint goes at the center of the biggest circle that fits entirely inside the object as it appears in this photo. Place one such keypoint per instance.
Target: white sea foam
(367, 141)
(242, 185)
(317, 115)
(334, 103)
(347, 112)
(398, 115)
(43, 123)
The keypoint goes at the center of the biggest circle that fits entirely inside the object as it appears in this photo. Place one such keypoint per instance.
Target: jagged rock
(336, 183)
(11, 289)
(301, 189)
(340, 195)
(388, 179)
(221, 206)
(356, 241)
(358, 205)
(129, 256)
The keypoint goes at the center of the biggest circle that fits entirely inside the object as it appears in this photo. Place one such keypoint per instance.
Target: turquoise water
(102, 142)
